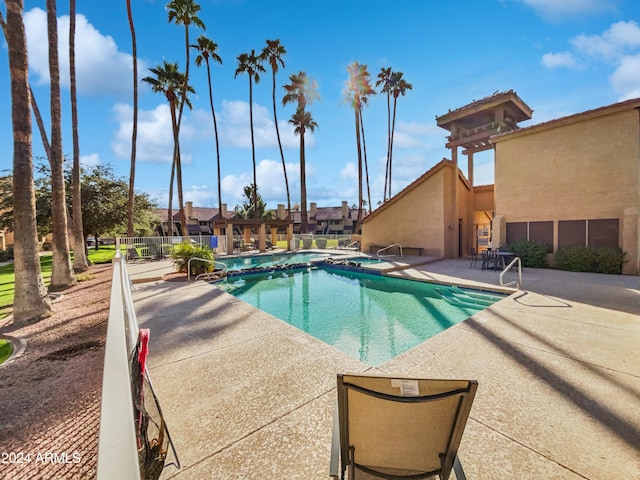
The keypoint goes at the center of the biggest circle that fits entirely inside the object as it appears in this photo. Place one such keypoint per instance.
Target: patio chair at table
(391, 427)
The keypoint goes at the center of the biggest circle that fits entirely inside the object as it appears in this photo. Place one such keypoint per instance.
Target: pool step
(466, 299)
(476, 294)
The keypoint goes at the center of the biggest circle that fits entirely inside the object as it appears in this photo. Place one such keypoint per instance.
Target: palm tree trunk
(80, 262)
(366, 164)
(359, 219)
(304, 220)
(253, 150)
(31, 302)
(215, 130)
(178, 162)
(134, 133)
(61, 273)
(284, 165)
(386, 168)
(393, 128)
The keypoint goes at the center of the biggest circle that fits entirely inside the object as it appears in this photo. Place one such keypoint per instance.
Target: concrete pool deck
(248, 396)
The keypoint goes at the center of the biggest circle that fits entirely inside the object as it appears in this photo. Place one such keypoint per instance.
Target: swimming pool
(373, 318)
(271, 260)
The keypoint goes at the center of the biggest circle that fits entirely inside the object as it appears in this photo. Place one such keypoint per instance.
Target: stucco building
(570, 181)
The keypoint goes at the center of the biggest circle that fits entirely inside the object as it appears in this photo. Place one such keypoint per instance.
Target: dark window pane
(516, 232)
(542, 232)
(572, 233)
(604, 233)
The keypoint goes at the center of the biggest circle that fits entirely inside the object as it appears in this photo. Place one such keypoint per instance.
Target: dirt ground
(50, 395)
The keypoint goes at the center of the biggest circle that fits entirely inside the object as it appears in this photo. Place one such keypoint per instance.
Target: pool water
(373, 318)
(254, 261)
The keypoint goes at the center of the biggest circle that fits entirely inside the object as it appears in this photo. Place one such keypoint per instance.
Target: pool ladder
(517, 283)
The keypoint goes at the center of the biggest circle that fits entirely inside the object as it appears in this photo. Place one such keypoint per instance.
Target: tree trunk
(61, 274)
(31, 302)
(80, 262)
(284, 165)
(359, 219)
(253, 150)
(215, 130)
(134, 133)
(304, 220)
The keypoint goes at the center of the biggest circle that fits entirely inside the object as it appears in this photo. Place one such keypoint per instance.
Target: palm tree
(183, 12)
(384, 79)
(273, 54)
(80, 262)
(134, 132)
(358, 89)
(302, 91)
(252, 66)
(31, 302)
(209, 51)
(303, 121)
(169, 81)
(399, 87)
(61, 274)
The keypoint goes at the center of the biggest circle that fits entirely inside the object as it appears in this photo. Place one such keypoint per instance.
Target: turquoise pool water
(370, 317)
(243, 263)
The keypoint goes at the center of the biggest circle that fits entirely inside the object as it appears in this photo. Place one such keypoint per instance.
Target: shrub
(531, 253)
(46, 246)
(7, 254)
(183, 252)
(585, 259)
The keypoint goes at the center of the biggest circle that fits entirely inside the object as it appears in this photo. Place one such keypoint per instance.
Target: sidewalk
(248, 396)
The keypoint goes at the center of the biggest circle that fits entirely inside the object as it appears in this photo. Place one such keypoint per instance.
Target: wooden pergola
(249, 224)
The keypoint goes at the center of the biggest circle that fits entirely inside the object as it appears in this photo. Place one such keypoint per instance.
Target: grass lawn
(6, 349)
(7, 276)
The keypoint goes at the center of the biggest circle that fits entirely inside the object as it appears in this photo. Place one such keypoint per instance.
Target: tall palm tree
(358, 89)
(183, 12)
(80, 262)
(251, 65)
(31, 302)
(61, 273)
(208, 50)
(169, 81)
(384, 79)
(302, 91)
(303, 121)
(399, 87)
(134, 130)
(273, 54)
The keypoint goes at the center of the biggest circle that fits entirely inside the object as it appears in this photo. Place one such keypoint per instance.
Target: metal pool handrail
(387, 248)
(224, 268)
(518, 283)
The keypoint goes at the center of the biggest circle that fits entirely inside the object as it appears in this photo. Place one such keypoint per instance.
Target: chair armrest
(335, 446)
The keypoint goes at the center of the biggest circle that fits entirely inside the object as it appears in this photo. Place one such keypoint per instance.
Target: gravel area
(50, 395)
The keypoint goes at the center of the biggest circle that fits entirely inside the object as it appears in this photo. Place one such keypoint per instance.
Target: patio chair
(474, 257)
(399, 427)
(132, 254)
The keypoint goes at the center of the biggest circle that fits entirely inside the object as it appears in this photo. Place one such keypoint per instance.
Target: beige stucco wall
(415, 218)
(583, 168)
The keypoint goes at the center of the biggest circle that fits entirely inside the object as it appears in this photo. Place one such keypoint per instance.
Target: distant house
(199, 220)
(573, 181)
(327, 220)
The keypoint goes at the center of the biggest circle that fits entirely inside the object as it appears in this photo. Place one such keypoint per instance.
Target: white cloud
(349, 172)
(562, 59)
(91, 160)
(235, 129)
(618, 46)
(555, 10)
(618, 40)
(626, 78)
(101, 68)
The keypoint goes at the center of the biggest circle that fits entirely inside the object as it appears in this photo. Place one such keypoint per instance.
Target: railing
(379, 253)
(223, 267)
(120, 440)
(117, 448)
(160, 247)
(518, 283)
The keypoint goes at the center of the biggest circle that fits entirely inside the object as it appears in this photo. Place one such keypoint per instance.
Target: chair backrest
(402, 424)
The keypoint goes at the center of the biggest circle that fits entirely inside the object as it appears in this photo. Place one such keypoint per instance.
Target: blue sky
(561, 57)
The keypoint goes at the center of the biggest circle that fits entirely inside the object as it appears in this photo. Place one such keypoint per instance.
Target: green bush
(183, 252)
(531, 253)
(7, 254)
(596, 260)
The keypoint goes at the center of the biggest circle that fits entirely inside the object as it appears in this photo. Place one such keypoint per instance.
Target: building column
(470, 167)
